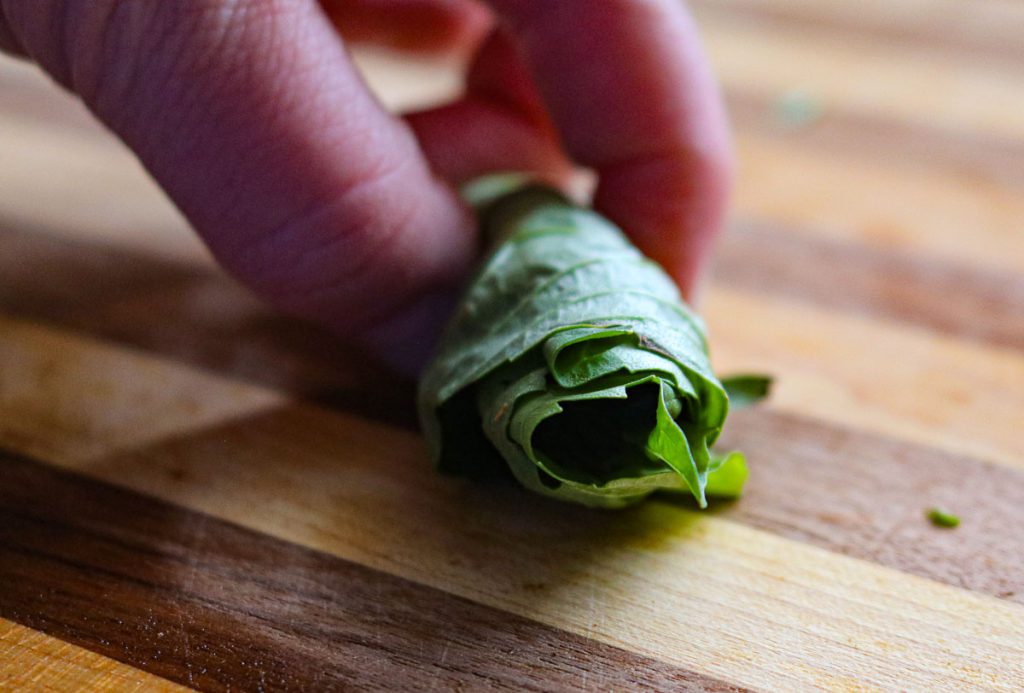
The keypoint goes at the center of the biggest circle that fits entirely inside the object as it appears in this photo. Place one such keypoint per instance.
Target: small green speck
(941, 518)
(797, 109)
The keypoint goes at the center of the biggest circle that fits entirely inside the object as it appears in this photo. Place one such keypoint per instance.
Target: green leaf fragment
(668, 444)
(573, 362)
(727, 476)
(942, 518)
(797, 109)
(745, 390)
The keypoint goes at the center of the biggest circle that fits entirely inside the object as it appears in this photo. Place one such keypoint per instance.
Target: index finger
(632, 94)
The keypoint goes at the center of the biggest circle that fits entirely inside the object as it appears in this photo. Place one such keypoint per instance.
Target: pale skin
(251, 116)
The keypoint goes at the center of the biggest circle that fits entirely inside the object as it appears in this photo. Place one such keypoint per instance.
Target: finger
(631, 92)
(418, 25)
(251, 117)
(500, 125)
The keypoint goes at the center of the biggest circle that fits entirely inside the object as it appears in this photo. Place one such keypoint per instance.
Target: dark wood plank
(951, 299)
(219, 607)
(866, 496)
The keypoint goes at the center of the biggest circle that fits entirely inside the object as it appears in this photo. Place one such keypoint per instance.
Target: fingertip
(501, 124)
(473, 137)
(673, 208)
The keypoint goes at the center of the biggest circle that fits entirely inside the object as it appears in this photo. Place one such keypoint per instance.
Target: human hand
(250, 114)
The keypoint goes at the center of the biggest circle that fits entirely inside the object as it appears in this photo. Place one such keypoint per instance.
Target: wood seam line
(854, 134)
(215, 606)
(953, 299)
(897, 380)
(956, 217)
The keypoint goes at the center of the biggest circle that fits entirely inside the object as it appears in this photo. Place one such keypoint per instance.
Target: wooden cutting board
(195, 491)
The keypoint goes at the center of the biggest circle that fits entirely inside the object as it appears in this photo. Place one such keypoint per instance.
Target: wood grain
(877, 182)
(893, 205)
(866, 495)
(856, 74)
(948, 391)
(637, 580)
(991, 31)
(857, 507)
(856, 138)
(862, 506)
(110, 403)
(957, 300)
(202, 318)
(193, 314)
(217, 607)
(874, 268)
(87, 186)
(316, 478)
(880, 377)
(34, 661)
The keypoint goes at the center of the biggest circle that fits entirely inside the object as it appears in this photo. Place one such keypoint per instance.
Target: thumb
(253, 119)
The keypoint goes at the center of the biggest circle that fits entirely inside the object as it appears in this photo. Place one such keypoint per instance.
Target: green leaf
(727, 477)
(573, 363)
(669, 444)
(745, 390)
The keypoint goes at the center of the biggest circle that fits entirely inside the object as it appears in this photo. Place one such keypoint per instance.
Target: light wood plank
(33, 661)
(58, 398)
(903, 381)
(896, 205)
(990, 30)
(683, 587)
(85, 186)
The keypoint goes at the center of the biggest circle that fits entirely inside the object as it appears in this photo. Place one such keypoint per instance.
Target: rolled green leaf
(573, 362)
